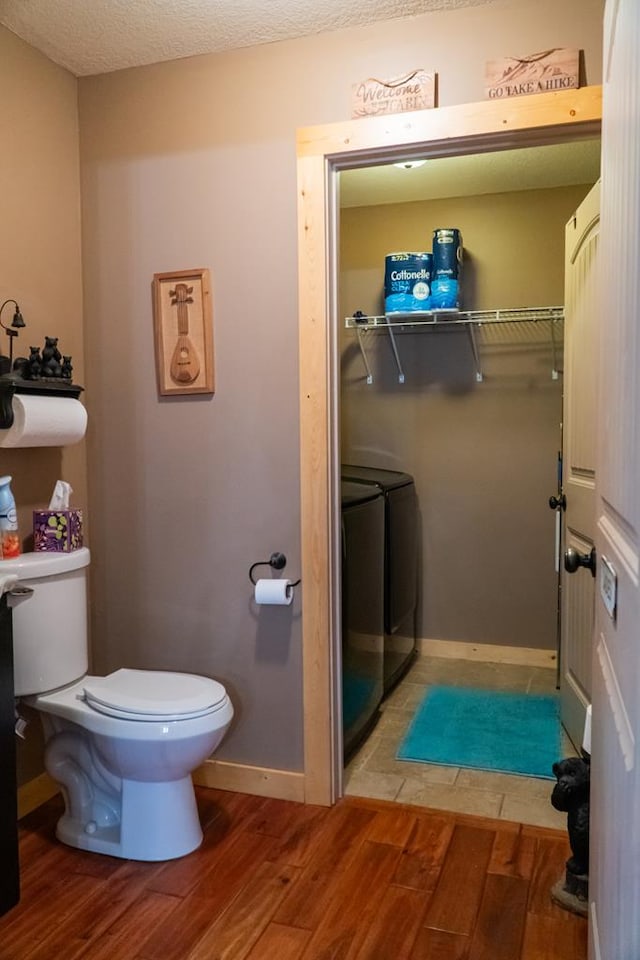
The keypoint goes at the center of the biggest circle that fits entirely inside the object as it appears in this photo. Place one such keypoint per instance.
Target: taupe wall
(192, 164)
(483, 454)
(40, 258)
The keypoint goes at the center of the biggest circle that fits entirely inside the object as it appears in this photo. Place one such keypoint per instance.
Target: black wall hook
(277, 561)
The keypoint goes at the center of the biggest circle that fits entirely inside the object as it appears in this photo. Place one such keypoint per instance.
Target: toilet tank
(50, 646)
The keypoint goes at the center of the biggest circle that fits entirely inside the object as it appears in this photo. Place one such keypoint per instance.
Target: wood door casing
(579, 457)
(322, 152)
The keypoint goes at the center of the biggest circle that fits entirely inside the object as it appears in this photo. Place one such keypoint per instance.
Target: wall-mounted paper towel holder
(10, 385)
(277, 561)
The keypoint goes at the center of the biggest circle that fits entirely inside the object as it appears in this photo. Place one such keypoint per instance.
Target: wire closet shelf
(442, 320)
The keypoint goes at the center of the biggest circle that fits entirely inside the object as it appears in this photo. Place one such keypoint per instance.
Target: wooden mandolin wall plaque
(183, 319)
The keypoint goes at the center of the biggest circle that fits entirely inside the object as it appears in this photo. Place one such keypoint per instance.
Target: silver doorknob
(574, 560)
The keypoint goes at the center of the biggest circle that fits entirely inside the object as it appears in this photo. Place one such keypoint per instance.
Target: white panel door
(614, 874)
(582, 279)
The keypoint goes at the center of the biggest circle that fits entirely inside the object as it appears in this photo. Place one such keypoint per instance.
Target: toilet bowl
(122, 747)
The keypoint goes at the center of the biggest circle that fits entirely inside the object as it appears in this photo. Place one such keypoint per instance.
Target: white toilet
(122, 747)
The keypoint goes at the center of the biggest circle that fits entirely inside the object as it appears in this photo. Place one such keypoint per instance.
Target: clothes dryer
(400, 564)
(362, 609)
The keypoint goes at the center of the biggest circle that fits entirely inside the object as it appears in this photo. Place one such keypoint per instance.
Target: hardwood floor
(276, 880)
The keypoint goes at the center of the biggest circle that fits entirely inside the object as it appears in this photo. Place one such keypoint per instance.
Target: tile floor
(374, 772)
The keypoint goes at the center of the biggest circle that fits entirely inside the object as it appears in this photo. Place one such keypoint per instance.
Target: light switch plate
(608, 587)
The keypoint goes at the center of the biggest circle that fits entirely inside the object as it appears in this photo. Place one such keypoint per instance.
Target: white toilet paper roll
(44, 422)
(274, 591)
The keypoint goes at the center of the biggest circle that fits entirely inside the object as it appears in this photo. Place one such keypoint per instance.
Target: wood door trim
(323, 151)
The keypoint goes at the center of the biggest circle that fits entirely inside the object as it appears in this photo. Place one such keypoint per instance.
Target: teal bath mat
(485, 729)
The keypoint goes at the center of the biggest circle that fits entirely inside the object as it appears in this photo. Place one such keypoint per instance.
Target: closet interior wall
(483, 455)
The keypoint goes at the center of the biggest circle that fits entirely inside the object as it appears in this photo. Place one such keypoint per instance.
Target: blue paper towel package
(447, 269)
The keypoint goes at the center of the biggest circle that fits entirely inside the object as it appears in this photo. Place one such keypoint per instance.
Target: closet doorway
(469, 405)
(323, 153)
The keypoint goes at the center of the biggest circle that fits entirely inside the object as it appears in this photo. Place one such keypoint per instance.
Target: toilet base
(159, 821)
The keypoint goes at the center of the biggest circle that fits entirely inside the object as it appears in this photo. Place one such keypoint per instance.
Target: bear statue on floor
(571, 795)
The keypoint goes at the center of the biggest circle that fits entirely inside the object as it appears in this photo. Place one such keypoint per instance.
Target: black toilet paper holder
(277, 561)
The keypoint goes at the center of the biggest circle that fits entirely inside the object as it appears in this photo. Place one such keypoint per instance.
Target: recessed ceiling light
(409, 164)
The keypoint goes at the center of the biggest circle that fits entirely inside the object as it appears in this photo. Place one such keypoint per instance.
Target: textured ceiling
(98, 36)
(529, 168)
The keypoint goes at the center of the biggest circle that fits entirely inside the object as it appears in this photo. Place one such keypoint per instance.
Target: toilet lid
(153, 695)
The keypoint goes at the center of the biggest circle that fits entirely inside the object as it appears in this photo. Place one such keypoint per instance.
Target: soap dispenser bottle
(9, 538)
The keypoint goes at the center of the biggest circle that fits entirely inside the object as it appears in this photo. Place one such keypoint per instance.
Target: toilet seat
(152, 695)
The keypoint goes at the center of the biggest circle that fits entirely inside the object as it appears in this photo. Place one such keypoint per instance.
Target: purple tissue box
(57, 530)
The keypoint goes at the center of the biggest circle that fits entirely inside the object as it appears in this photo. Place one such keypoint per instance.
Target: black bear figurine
(21, 367)
(571, 795)
(34, 364)
(67, 369)
(51, 358)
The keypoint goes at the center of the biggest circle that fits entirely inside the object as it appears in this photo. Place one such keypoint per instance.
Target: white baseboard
(490, 653)
(259, 781)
